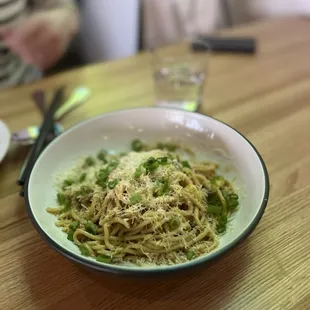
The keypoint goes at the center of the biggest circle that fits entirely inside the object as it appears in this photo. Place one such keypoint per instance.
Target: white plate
(4, 140)
(207, 137)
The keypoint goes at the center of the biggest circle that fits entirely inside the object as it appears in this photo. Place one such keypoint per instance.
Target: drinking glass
(179, 77)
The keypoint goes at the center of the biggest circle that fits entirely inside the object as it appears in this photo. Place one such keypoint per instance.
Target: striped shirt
(13, 71)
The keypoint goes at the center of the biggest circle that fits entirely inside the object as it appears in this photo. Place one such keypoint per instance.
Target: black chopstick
(38, 98)
(46, 127)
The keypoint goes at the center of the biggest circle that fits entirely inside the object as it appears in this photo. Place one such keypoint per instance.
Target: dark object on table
(225, 45)
(46, 128)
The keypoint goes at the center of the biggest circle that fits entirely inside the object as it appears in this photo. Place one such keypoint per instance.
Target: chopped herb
(160, 145)
(213, 199)
(89, 161)
(74, 225)
(232, 201)
(91, 227)
(174, 223)
(171, 147)
(102, 156)
(66, 208)
(61, 198)
(170, 156)
(112, 165)
(135, 198)
(219, 181)
(161, 187)
(150, 165)
(70, 235)
(137, 145)
(233, 196)
(64, 202)
(215, 179)
(103, 174)
(101, 183)
(85, 190)
(215, 210)
(221, 224)
(102, 177)
(166, 146)
(190, 254)
(84, 250)
(67, 183)
(82, 177)
(112, 184)
(162, 160)
(139, 171)
(186, 164)
(232, 204)
(104, 259)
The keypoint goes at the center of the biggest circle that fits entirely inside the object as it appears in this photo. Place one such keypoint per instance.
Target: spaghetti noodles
(145, 207)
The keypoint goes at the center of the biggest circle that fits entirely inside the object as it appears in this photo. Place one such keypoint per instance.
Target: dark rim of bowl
(154, 270)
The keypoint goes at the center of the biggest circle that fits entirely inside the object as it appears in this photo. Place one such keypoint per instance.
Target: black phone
(224, 44)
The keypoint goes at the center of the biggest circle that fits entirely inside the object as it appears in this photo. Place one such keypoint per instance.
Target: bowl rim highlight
(92, 264)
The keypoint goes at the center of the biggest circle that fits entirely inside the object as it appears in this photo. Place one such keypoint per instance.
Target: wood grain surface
(267, 98)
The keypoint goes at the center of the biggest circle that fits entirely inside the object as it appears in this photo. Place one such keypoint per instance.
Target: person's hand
(43, 38)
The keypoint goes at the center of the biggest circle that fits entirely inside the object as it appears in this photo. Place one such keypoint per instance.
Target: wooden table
(267, 98)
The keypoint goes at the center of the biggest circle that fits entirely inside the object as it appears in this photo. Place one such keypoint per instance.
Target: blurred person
(171, 21)
(34, 35)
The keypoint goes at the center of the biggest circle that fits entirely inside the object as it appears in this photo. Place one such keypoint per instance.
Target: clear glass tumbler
(179, 78)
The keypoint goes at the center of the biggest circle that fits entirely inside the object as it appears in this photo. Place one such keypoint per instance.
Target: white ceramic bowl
(209, 138)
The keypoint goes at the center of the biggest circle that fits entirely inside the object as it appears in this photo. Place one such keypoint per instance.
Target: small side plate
(4, 140)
